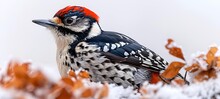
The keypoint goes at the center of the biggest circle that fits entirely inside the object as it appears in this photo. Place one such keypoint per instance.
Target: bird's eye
(70, 20)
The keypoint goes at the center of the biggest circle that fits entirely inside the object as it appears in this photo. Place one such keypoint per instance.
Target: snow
(5, 94)
(118, 92)
(196, 90)
(199, 90)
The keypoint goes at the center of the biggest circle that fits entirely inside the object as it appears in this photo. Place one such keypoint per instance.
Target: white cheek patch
(78, 28)
(95, 30)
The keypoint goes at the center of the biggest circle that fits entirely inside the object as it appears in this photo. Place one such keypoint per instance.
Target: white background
(194, 24)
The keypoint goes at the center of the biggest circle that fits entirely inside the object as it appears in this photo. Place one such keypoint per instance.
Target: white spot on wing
(155, 67)
(118, 45)
(147, 62)
(105, 49)
(150, 55)
(113, 46)
(126, 53)
(158, 58)
(122, 43)
(140, 58)
(132, 52)
(156, 62)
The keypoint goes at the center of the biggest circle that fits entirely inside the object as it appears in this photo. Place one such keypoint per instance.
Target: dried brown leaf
(104, 92)
(19, 75)
(193, 68)
(68, 81)
(83, 74)
(64, 94)
(77, 85)
(87, 93)
(21, 71)
(217, 59)
(212, 73)
(54, 87)
(211, 55)
(172, 70)
(11, 64)
(169, 41)
(179, 81)
(38, 79)
(177, 52)
(205, 75)
(174, 50)
(72, 73)
(16, 83)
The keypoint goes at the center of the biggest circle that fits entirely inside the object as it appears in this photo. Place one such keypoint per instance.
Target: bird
(106, 55)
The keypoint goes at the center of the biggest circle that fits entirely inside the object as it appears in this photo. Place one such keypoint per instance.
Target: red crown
(84, 10)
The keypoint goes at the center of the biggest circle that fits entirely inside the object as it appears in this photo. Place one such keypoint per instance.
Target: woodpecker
(107, 56)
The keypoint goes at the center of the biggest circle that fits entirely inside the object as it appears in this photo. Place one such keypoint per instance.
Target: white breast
(61, 59)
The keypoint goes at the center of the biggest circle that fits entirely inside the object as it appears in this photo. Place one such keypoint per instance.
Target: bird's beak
(45, 23)
(54, 22)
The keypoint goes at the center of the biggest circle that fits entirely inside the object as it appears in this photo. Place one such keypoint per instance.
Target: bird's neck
(95, 30)
(64, 42)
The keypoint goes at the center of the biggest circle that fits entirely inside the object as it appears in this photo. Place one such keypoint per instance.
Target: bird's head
(72, 23)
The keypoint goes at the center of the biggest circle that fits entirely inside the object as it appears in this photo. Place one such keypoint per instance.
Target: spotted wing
(120, 48)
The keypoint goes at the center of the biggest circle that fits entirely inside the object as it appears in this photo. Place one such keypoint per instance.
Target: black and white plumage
(121, 48)
(107, 56)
